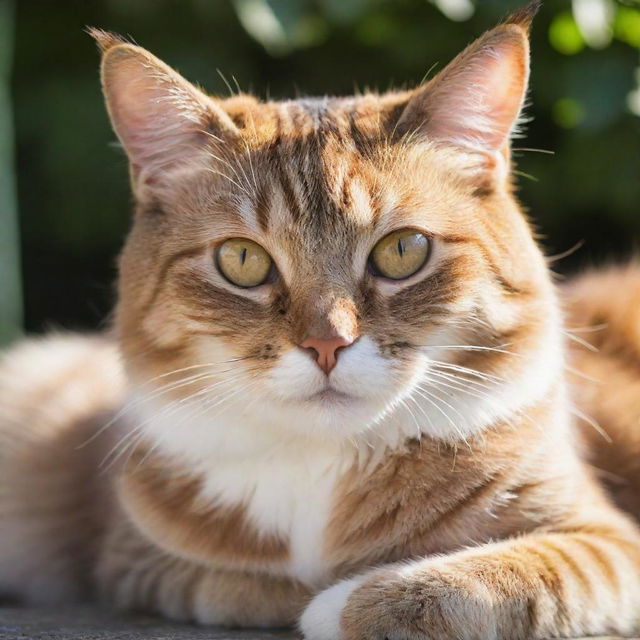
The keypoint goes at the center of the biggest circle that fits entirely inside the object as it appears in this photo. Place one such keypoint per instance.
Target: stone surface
(92, 624)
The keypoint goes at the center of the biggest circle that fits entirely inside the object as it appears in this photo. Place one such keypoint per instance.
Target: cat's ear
(475, 101)
(161, 119)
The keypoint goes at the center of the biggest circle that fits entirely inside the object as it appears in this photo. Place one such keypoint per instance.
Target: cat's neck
(203, 439)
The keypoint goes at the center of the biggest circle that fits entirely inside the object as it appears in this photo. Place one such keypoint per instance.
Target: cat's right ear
(162, 120)
(475, 101)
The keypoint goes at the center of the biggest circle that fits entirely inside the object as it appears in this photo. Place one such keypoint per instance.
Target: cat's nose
(326, 350)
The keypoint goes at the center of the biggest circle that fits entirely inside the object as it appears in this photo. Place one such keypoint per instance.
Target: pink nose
(326, 350)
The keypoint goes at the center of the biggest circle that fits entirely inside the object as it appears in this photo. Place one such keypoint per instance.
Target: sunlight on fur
(341, 390)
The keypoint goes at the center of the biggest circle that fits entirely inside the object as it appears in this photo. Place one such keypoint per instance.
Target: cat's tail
(53, 394)
(603, 326)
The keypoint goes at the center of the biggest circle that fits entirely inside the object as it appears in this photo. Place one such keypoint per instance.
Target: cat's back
(603, 317)
(55, 395)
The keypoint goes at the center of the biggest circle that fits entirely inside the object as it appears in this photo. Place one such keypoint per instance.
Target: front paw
(401, 604)
(322, 619)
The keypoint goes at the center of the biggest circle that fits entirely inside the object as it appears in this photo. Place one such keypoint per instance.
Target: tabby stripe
(290, 198)
(553, 580)
(602, 561)
(161, 279)
(263, 204)
(581, 577)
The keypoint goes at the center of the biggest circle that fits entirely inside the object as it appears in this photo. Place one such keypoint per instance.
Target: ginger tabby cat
(335, 393)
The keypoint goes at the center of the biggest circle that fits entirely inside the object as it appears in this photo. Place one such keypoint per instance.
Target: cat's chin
(331, 397)
(331, 408)
(330, 413)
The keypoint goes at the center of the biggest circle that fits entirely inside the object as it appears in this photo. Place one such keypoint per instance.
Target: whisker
(195, 366)
(167, 411)
(248, 150)
(431, 398)
(453, 377)
(488, 377)
(458, 386)
(531, 149)
(588, 329)
(219, 72)
(468, 347)
(190, 417)
(424, 413)
(581, 341)
(591, 422)
(226, 163)
(415, 420)
(231, 180)
(205, 407)
(164, 389)
(581, 374)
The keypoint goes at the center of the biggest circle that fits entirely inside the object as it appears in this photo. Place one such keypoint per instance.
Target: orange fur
(433, 483)
(606, 382)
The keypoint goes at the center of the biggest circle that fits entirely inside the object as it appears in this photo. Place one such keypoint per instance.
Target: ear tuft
(105, 39)
(524, 16)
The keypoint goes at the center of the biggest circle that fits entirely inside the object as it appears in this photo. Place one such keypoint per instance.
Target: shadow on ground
(91, 624)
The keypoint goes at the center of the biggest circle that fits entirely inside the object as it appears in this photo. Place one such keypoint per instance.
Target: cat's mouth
(330, 395)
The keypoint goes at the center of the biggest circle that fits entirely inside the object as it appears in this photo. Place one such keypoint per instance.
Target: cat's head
(313, 265)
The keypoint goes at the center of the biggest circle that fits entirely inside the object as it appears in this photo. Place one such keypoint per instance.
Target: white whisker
(488, 377)
(592, 423)
(581, 341)
(165, 412)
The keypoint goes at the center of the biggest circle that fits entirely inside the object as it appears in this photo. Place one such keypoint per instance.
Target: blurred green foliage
(73, 184)
(10, 295)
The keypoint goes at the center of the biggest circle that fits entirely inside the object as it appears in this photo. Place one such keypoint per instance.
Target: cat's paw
(401, 603)
(321, 619)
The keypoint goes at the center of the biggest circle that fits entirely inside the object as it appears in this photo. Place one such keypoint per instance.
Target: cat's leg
(561, 584)
(134, 574)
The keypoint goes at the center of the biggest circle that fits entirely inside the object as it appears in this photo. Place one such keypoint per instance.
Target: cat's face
(314, 265)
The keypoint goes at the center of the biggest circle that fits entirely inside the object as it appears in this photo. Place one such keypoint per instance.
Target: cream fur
(208, 469)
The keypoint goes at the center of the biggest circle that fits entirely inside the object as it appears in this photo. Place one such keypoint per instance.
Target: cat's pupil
(243, 256)
(401, 248)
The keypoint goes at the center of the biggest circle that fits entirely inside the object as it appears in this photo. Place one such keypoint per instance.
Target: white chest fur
(287, 492)
(285, 484)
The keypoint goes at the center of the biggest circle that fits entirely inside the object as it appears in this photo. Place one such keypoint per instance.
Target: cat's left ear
(163, 121)
(476, 100)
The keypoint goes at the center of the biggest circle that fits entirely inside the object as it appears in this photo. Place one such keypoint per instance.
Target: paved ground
(88, 624)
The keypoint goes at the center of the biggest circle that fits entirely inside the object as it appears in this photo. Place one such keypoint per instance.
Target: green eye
(400, 254)
(243, 262)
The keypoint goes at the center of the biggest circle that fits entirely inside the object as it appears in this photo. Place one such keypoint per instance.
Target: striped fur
(198, 464)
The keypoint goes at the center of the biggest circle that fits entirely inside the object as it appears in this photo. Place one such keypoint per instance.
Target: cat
(338, 392)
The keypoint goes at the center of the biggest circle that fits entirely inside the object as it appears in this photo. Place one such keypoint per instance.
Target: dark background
(72, 182)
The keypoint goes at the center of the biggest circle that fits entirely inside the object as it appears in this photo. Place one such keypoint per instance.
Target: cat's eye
(243, 262)
(400, 254)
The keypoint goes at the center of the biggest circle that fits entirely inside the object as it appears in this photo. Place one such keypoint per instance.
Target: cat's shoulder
(39, 360)
(60, 374)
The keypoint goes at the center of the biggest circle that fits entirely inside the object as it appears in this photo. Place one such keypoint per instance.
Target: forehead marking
(248, 213)
(361, 204)
(263, 204)
(313, 178)
(279, 212)
(291, 195)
